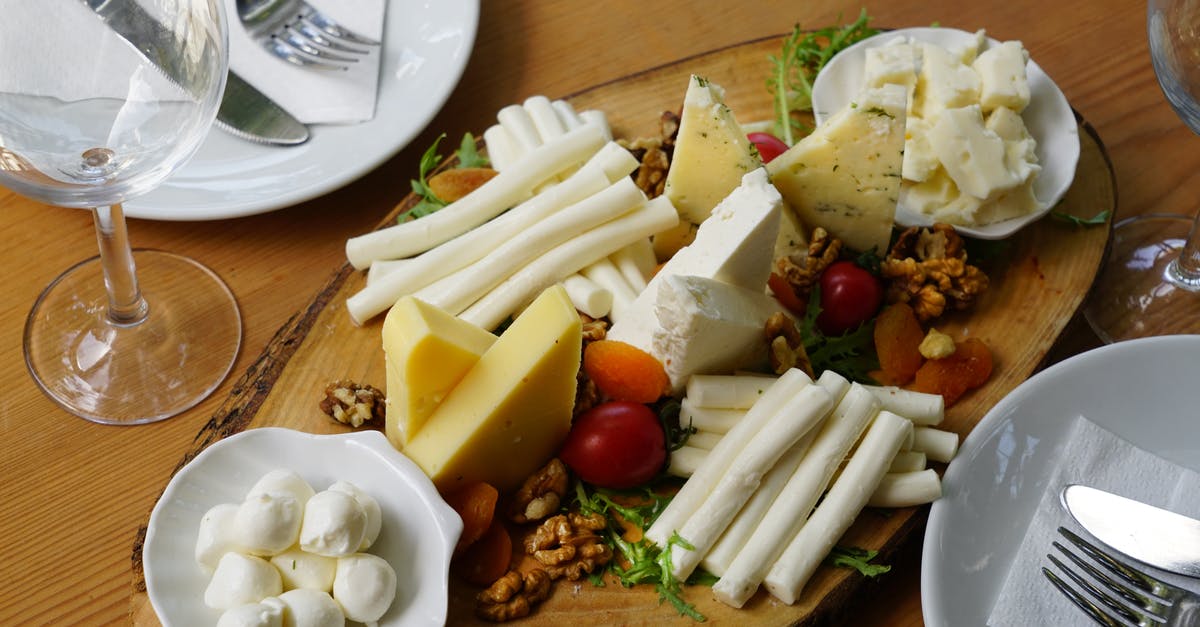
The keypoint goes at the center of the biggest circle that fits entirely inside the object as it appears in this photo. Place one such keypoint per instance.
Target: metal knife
(244, 111)
(1146, 533)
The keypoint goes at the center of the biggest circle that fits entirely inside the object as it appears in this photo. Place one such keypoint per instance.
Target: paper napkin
(315, 96)
(1096, 457)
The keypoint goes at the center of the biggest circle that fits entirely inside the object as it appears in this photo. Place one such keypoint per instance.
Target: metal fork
(1116, 593)
(297, 33)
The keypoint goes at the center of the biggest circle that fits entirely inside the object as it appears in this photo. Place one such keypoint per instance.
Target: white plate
(1143, 391)
(418, 534)
(426, 47)
(1048, 117)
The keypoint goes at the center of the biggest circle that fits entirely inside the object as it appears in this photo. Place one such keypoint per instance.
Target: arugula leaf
(858, 559)
(677, 434)
(429, 201)
(468, 155)
(1098, 219)
(851, 355)
(802, 57)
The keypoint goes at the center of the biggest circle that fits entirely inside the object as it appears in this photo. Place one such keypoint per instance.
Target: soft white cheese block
(945, 83)
(711, 152)
(1003, 82)
(897, 62)
(920, 161)
(735, 246)
(709, 327)
(973, 155)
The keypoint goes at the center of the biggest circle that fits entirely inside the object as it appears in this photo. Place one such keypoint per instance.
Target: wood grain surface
(73, 494)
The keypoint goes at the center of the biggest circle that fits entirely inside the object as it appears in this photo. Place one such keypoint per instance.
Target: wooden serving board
(1037, 284)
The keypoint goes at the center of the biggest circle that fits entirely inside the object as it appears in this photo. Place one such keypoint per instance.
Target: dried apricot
(625, 372)
(475, 503)
(898, 337)
(451, 185)
(969, 367)
(488, 559)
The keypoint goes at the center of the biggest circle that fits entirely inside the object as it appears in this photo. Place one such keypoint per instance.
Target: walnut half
(351, 403)
(927, 268)
(513, 596)
(568, 545)
(541, 494)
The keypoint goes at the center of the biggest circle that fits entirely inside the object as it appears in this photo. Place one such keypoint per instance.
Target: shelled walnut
(803, 271)
(513, 596)
(568, 545)
(351, 403)
(654, 155)
(541, 494)
(786, 346)
(586, 394)
(927, 268)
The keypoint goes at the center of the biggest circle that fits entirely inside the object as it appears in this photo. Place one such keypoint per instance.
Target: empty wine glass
(1150, 284)
(101, 100)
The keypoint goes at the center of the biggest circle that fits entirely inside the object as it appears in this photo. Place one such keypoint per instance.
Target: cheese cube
(709, 327)
(972, 155)
(919, 159)
(1020, 148)
(512, 410)
(897, 62)
(1003, 82)
(845, 176)
(945, 83)
(427, 352)
(711, 152)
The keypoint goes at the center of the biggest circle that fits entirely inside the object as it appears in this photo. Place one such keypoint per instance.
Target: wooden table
(72, 494)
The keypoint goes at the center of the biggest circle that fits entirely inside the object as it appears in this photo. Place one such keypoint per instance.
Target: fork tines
(1112, 592)
(313, 40)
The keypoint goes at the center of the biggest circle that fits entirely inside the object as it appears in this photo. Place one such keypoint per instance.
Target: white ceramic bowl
(419, 529)
(1144, 391)
(1048, 117)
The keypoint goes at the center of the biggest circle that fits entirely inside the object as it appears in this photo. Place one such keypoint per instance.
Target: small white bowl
(419, 529)
(1048, 117)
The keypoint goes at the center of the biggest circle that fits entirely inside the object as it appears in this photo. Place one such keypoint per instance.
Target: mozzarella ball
(334, 524)
(301, 569)
(304, 607)
(269, 523)
(241, 579)
(217, 536)
(370, 508)
(364, 586)
(267, 613)
(286, 481)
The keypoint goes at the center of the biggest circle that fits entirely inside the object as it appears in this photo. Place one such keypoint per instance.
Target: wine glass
(1150, 284)
(101, 100)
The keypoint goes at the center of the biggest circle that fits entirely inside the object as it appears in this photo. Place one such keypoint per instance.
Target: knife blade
(1146, 533)
(244, 111)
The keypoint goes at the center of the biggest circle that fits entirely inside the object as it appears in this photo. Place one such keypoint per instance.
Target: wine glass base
(127, 374)
(1133, 296)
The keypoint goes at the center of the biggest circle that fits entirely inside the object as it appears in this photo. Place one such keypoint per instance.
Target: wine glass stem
(1184, 271)
(125, 303)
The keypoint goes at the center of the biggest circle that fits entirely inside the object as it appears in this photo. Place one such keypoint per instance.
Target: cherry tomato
(768, 145)
(619, 444)
(850, 296)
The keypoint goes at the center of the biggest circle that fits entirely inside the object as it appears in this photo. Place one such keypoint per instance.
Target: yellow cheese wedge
(427, 351)
(845, 176)
(711, 153)
(511, 412)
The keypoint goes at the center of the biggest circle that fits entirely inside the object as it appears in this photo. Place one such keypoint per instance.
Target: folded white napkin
(1096, 457)
(315, 96)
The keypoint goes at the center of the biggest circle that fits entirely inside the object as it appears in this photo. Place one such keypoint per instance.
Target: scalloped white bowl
(419, 529)
(1048, 117)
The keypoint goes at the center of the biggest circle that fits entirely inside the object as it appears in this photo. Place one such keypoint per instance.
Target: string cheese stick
(611, 163)
(544, 118)
(795, 501)
(502, 149)
(793, 424)
(382, 267)
(908, 461)
(515, 119)
(841, 505)
(604, 273)
(920, 408)
(746, 521)
(512, 186)
(695, 490)
(704, 440)
(907, 489)
(567, 114)
(472, 282)
(937, 445)
(631, 261)
(726, 391)
(591, 299)
(713, 420)
(685, 460)
(593, 116)
(567, 259)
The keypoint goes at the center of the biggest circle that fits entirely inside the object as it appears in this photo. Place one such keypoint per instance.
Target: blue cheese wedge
(845, 176)
(711, 153)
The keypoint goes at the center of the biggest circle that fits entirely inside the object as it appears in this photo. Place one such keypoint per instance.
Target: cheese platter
(1043, 273)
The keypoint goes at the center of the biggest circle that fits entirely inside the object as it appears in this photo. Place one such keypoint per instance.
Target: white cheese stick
(937, 445)
(685, 460)
(515, 119)
(594, 116)
(470, 283)
(591, 299)
(381, 267)
(907, 489)
(710, 419)
(839, 508)
(502, 149)
(704, 439)
(921, 408)
(693, 492)
(567, 114)
(793, 424)
(512, 186)
(605, 274)
(567, 259)
(544, 118)
(908, 461)
(742, 528)
(795, 501)
(726, 391)
(611, 163)
(636, 263)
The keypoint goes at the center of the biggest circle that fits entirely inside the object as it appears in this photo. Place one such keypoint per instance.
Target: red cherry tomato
(619, 444)
(768, 145)
(850, 296)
